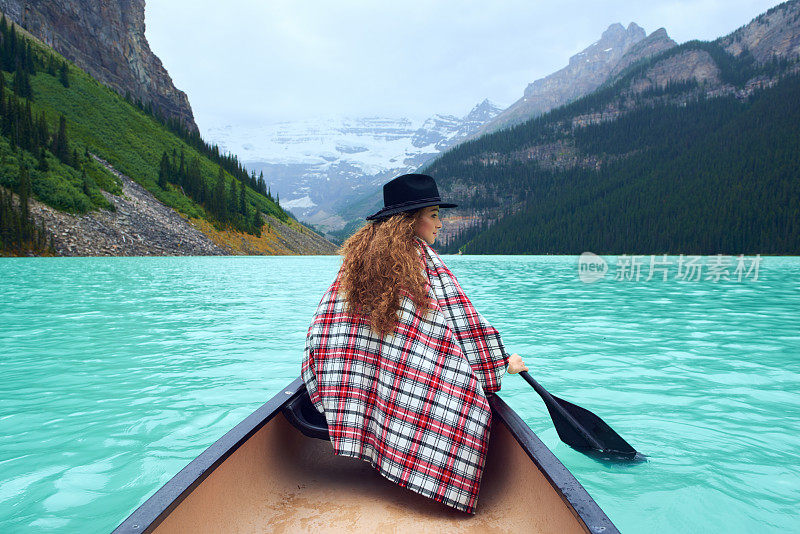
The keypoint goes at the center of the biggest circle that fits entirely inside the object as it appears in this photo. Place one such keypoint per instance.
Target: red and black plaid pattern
(412, 404)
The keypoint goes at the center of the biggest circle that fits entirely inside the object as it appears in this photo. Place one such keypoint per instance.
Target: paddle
(580, 428)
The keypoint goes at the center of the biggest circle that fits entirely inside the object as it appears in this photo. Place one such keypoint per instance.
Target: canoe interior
(264, 475)
(282, 481)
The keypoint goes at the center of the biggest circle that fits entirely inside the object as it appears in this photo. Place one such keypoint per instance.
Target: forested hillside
(713, 176)
(694, 150)
(55, 118)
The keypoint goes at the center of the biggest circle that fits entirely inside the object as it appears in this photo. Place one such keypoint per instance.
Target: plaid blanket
(413, 404)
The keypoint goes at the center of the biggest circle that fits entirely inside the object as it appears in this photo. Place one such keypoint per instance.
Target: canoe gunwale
(155, 509)
(582, 505)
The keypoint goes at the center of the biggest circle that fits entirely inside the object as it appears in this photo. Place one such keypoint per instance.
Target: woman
(399, 360)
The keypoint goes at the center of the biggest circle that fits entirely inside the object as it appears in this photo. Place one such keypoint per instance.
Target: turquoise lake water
(116, 372)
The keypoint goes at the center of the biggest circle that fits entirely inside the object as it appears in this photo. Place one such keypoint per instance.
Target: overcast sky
(250, 61)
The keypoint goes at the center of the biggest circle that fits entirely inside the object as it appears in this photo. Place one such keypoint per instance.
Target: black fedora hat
(409, 192)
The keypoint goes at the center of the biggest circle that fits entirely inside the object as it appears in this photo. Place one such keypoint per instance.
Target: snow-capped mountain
(314, 165)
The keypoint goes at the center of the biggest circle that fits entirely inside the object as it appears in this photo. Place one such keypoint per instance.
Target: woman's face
(428, 224)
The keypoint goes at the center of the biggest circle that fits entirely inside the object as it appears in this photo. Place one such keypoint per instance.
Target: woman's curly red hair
(380, 265)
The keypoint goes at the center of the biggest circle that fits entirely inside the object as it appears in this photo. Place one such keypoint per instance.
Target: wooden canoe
(265, 475)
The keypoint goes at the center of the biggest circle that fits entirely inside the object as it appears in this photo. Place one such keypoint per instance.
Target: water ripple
(118, 371)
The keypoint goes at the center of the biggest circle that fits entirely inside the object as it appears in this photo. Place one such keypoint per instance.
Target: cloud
(248, 61)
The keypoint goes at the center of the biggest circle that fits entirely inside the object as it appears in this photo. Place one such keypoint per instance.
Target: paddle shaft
(551, 403)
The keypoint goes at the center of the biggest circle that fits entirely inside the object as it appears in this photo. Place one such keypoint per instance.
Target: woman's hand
(515, 364)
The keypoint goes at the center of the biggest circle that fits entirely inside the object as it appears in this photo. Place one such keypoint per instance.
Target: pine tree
(51, 64)
(218, 199)
(258, 222)
(12, 47)
(60, 145)
(22, 83)
(262, 186)
(242, 200)
(163, 171)
(43, 165)
(30, 66)
(85, 181)
(182, 168)
(194, 178)
(233, 198)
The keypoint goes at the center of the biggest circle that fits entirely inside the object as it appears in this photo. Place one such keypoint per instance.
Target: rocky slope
(771, 34)
(617, 48)
(107, 40)
(142, 226)
(296, 239)
(653, 44)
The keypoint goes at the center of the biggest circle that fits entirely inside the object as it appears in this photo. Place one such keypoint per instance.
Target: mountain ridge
(584, 72)
(322, 185)
(629, 46)
(559, 143)
(319, 165)
(72, 147)
(107, 40)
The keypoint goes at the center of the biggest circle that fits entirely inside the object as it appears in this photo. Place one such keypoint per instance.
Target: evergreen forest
(677, 172)
(56, 120)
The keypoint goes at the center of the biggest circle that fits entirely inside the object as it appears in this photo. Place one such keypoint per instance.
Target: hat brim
(388, 212)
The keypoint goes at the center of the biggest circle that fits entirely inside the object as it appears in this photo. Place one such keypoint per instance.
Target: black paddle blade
(592, 425)
(580, 428)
